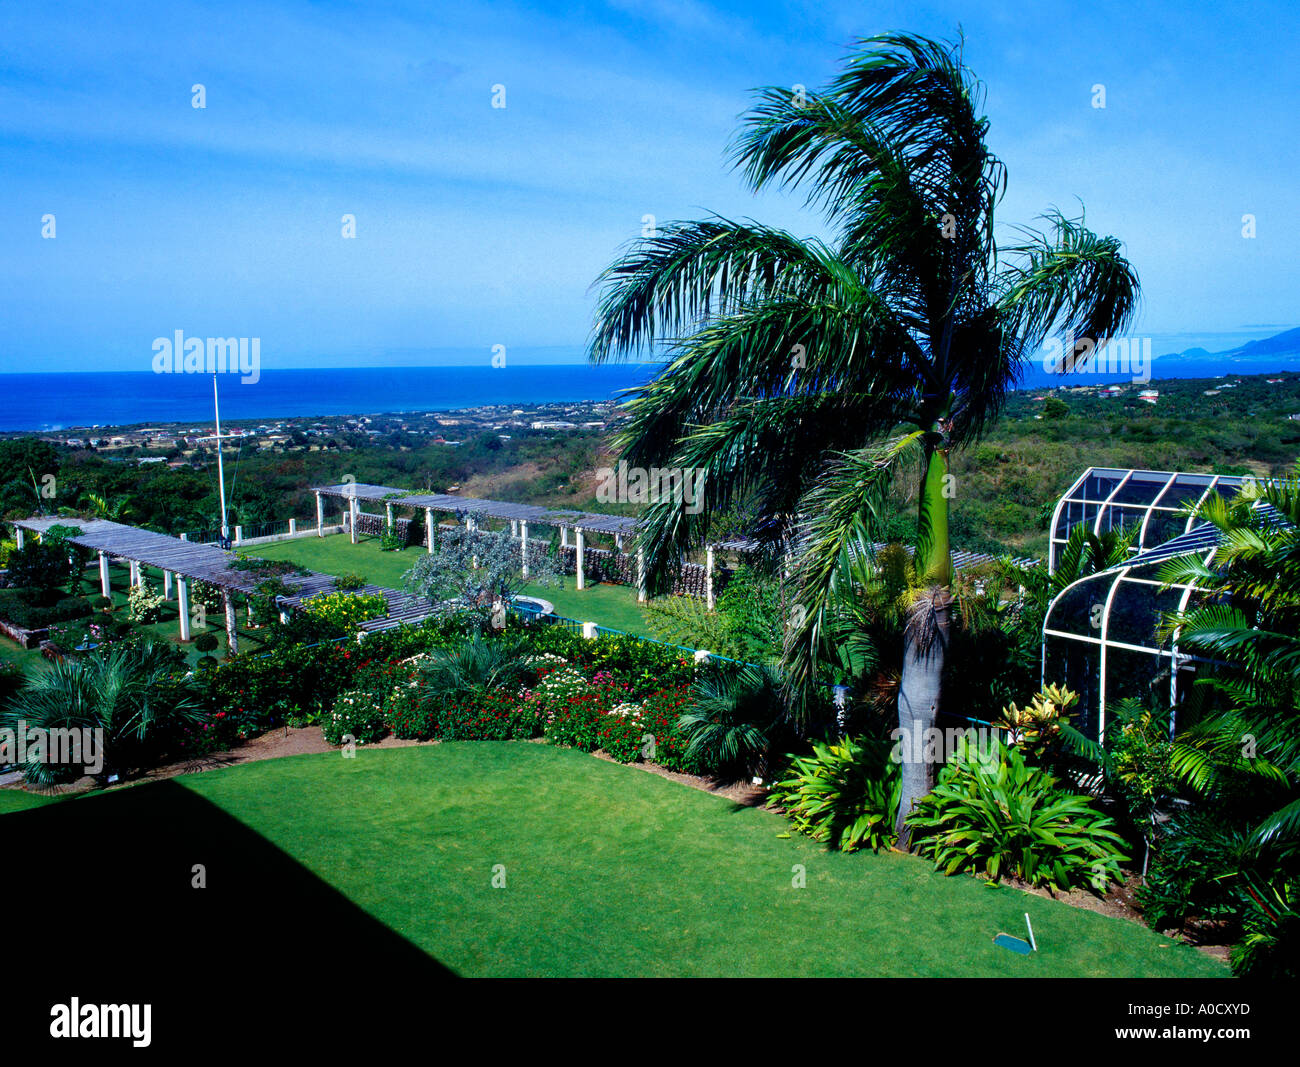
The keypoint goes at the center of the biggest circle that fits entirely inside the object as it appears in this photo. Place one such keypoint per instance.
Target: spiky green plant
(993, 814)
(845, 794)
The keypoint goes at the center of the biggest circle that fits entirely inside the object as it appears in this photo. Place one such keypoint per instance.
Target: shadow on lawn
(97, 900)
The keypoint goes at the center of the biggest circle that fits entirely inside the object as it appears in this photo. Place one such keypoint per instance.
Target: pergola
(475, 509)
(182, 561)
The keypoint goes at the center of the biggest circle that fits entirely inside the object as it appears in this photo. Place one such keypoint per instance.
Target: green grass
(613, 871)
(614, 606)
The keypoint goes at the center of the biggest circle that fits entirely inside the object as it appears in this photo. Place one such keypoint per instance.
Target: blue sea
(43, 402)
(48, 402)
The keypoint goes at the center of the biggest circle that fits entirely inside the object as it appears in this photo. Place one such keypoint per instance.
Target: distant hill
(1285, 344)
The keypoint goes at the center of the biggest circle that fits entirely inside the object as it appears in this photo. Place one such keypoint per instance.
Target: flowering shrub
(144, 604)
(660, 712)
(357, 713)
(495, 716)
(413, 712)
(343, 612)
(556, 687)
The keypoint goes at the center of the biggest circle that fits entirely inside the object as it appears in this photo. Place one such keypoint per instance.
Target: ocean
(50, 402)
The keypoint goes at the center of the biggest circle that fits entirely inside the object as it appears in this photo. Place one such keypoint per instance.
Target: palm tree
(131, 692)
(795, 362)
(1246, 621)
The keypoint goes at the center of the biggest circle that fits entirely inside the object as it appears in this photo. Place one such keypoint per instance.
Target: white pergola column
(20, 536)
(514, 527)
(708, 577)
(523, 547)
(640, 575)
(135, 573)
(471, 525)
(232, 637)
(105, 586)
(167, 585)
(428, 530)
(320, 516)
(388, 514)
(352, 511)
(564, 537)
(183, 605)
(618, 541)
(293, 527)
(582, 578)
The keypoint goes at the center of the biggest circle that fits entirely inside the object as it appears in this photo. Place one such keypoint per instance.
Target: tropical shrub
(845, 794)
(1271, 945)
(350, 581)
(357, 714)
(1196, 871)
(33, 609)
(991, 813)
(136, 693)
(733, 711)
(390, 541)
(206, 641)
(476, 665)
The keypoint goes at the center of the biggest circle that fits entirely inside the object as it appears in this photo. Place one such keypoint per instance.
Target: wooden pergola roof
(211, 564)
(492, 509)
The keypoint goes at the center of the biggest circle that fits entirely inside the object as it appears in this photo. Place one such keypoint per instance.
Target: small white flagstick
(1032, 943)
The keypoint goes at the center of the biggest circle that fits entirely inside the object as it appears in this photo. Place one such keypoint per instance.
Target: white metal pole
(221, 472)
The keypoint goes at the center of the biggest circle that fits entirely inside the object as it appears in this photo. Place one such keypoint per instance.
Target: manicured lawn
(609, 871)
(614, 606)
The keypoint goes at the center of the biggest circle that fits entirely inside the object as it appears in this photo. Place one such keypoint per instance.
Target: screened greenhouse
(1101, 633)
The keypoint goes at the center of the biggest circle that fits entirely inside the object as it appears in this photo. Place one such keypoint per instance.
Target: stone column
(523, 547)
(320, 516)
(582, 578)
(183, 605)
(105, 587)
(232, 638)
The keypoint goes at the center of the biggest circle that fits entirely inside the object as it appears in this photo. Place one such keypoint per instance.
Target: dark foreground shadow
(97, 902)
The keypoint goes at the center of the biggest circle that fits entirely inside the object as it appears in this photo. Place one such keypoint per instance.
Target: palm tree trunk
(933, 551)
(925, 640)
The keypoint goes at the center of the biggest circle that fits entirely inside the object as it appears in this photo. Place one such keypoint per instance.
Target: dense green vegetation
(1003, 484)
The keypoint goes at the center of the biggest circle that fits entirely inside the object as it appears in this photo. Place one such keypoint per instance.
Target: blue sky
(479, 226)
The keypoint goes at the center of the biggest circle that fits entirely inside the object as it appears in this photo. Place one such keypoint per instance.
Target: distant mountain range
(1285, 345)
